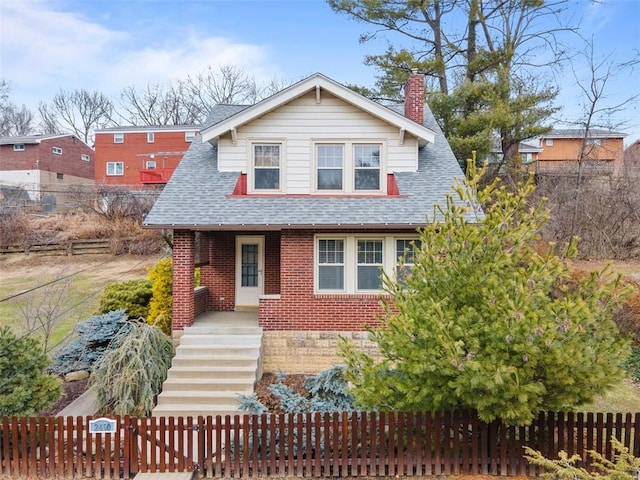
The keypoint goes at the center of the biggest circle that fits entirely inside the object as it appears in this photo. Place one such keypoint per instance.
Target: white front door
(249, 270)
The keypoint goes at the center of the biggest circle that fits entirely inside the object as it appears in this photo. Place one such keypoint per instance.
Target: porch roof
(198, 196)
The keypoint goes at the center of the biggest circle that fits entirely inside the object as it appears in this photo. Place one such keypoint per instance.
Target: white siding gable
(299, 124)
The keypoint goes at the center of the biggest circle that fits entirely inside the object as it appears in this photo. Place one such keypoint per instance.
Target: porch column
(183, 271)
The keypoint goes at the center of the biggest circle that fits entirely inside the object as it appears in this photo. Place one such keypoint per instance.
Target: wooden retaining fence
(71, 247)
(304, 445)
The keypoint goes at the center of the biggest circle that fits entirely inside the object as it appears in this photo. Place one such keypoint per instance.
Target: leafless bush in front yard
(603, 211)
(118, 202)
(14, 227)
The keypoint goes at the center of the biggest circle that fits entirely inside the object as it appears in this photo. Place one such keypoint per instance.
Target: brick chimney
(414, 97)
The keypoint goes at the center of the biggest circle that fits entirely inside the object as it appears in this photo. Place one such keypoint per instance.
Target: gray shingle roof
(30, 139)
(198, 196)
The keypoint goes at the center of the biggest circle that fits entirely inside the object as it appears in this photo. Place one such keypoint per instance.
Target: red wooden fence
(307, 445)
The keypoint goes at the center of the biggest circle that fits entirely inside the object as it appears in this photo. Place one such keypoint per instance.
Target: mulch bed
(70, 391)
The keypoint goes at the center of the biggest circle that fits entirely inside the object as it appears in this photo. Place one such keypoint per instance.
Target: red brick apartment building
(140, 156)
(45, 163)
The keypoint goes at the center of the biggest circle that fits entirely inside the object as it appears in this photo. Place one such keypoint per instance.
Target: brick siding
(183, 281)
(40, 157)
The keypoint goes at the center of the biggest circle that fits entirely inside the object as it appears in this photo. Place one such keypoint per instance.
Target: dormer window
(366, 167)
(349, 167)
(330, 167)
(266, 166)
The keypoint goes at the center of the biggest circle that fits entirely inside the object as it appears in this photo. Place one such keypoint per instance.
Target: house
(292, 207)
(46, 166)
(527, 151)
(632, 158)
(602, 151)
(140, 157)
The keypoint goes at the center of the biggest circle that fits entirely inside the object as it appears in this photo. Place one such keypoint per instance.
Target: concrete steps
(214, 362)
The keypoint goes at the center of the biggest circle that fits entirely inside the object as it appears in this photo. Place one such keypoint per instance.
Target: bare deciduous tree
(14, 120)
(79, 112)
(159, 105)
(44, 309)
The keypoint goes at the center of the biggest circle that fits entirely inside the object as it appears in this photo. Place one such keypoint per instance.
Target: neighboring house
(602, 152)
(140, 157)
(632, 156)
(527, 151)
(294, 205)
(46, 165)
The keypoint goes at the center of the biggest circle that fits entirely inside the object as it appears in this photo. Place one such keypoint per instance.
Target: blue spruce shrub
(94, 338)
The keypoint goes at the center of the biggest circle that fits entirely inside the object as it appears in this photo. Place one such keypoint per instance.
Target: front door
(249, 270)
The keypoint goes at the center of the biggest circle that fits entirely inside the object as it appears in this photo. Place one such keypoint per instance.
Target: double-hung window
(366, 164)
(118, 138)
(115, 168)
(349, 167)
(266, 166)
(405, 255)
(352, 264)
(370, 263)
(330, 161)
(151, 137)
(189, 136)
(331, 264)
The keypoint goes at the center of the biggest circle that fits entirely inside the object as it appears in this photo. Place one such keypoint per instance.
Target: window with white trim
(118, 138)
(151, 137)
(115, 168)
(56, 150)
(18, 147)
(549, 142)
(151, 164)
(330, 166)
(369, 264)
(366, 164)
(84, 157)
(594, 142)
(355, 263)
(405, 256)
(348, 167)
(189, 136)
(266, 166)
(331, 264)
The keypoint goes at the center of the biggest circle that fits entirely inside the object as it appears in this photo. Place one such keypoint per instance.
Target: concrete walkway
(82, 406)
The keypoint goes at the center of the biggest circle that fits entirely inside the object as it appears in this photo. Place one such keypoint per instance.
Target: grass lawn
(80, 300)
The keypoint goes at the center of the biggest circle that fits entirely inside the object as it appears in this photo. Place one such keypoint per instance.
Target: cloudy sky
(48, 45)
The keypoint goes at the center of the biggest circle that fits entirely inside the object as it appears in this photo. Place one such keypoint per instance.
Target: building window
(348, 167)
(366, 165)
(151, 164)
(56, 150)
(85, 157)
(330, 162)
(115, 168)
(549, 142)
(527, 157)
(60, 176)
(189, 136)
(331, 264)
(354, 263)
(118, 138)
(266, 167)
(151, 136)
(405, 257)
(18, 147)
(369, 264)
(594, 142)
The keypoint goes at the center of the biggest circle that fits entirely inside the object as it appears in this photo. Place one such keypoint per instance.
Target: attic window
(266, 166)
(56, 150)
(18, 147)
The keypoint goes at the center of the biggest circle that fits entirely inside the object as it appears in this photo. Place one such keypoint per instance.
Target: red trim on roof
(392, 186)
(241, 185)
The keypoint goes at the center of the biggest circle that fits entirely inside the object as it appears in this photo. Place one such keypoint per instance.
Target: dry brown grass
(125, 233)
